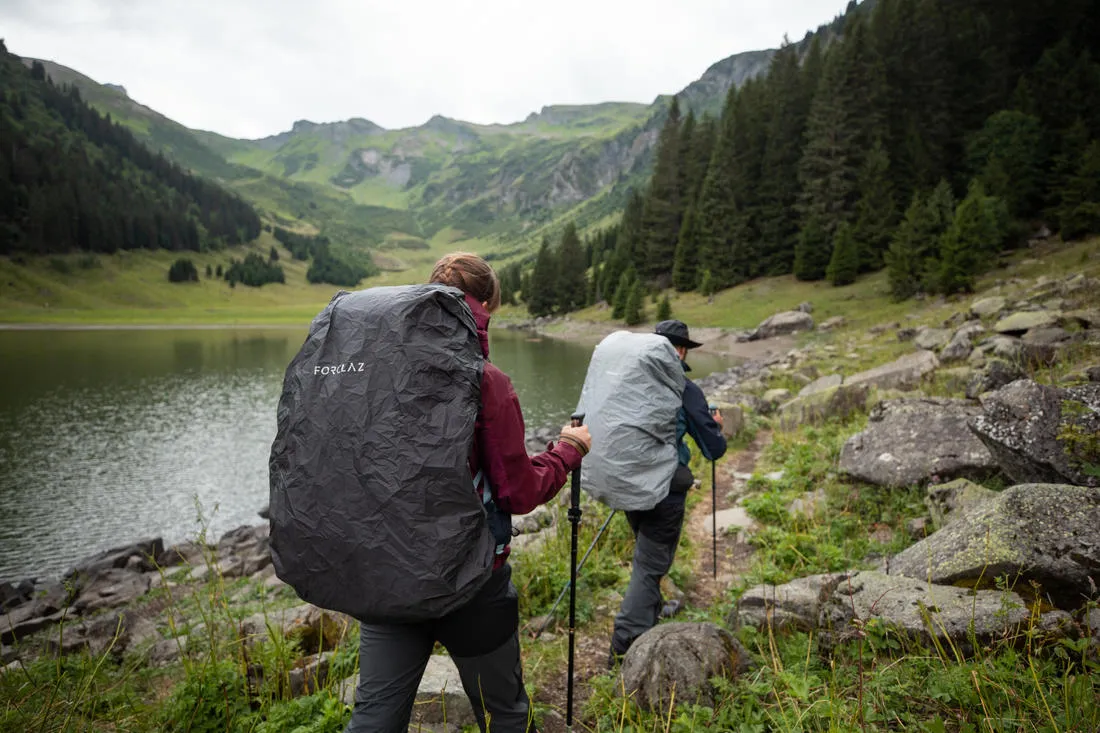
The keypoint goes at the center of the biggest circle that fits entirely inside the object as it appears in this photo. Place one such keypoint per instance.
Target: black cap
(677, 333)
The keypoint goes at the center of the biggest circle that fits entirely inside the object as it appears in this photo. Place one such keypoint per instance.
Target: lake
(108, 436)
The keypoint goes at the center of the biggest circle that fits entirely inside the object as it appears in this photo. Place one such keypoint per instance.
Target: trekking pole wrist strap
(581, 448)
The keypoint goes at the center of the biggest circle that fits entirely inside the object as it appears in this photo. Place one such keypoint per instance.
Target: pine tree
(622, 292)
(630, 240)
(717, 213)
(971, 241)
(634, 312)
(542, 296)
(706, 284)
(663, 205)
(1007, 155)
(876, 212)
(844, 264)
(813, 251)
(911, 261)
(684, 268)
(571, 285)
(664, 309)
(1079, 209)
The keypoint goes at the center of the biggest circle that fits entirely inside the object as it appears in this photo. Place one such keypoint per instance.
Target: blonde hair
(470, 274)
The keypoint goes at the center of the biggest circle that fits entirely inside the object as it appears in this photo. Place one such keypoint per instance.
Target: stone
(777, 396)
(948, 501)
(167, 651)
(22, 622)
(1089, 319)
(1043, 533)
(922, 614)
(810, 503)
(115, 633)
(1093, 374)
(782, 324)
(309, 674)
(904, 373)
(145, 550)
(732, 518)
(932, 339)
(957, 349)
(110, 588)
(1024, 425)
(1003, 347)
(733, 419)
(315, 629)
(835, 322)
(533, 541)
(910, 441)
(955, 380)
(907, 334)
(791, 606)
(988, 306)
(821, 384)
(996, 374)
(805, 307)
(539, 518)
(839, 402)
(185, 553)
(677, 661)
(1024, 321)
(244, 551)
(883, 328)
(15, 593)
(918, 528)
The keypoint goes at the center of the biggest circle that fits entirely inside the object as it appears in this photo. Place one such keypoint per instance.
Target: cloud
(249, 68)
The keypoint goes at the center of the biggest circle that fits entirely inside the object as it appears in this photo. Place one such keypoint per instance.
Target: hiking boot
(614, 658)
(671, 608)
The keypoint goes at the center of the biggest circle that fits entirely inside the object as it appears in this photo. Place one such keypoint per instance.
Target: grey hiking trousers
(656, 536)
(482, 639)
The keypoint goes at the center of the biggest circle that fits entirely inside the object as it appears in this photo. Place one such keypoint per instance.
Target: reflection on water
(109, 436)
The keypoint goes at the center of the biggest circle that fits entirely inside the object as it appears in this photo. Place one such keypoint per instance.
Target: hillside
(71, 179)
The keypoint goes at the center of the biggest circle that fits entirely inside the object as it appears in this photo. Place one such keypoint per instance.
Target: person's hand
(578, 437)
(718, 417)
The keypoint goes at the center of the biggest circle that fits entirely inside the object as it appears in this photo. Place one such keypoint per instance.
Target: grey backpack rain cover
(631, 396)
(373, 509)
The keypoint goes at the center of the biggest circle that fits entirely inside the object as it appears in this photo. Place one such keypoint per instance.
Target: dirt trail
(733, 556)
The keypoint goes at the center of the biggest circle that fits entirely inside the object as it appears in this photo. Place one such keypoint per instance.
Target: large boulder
(111, 588)
(114, 632)
(988, 306)
(932, 339)
(440, 697)
(910, 441)
(316, 630)
(677, 661)
(244, 551)
(1043, 434)
(784, 323)
(821, 384)
(139, 556)
(954, 498)
(995, 374)
(1023, 321)
(795, 605)
(1043, 533)
(838, 402)
(922, 614)
(904, 373)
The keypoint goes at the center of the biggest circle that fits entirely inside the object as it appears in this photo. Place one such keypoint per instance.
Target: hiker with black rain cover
(411, 535)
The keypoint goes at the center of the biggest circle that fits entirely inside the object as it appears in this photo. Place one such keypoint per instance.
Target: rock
(26, 620)
(988, 306)
(244, 551)
(309, 674)
(539, 518)
(167, 651)
(185, 553)
(805, 307)
(1086, 318)
(784, 323)
(904, 373)
(733, 419)
(948, 501)
(996, 374)
(118, 557)
(932, 339)
(114, 632)
(15, 593)
(1002, 347)
(810, 503)
(821, 384)
(795, 605)
(957, 349)
(533, 541)
(440, 696)
(921, 613)
(111, 588)
(908, 442)
(1093, 373)
(677, 661)
(836, 402)
(1041, 346)
(776, 396)
(955, 380)
(1025, 424)
(835, 322)
(918, 528)
(1046, 533)
(732, 518)
(1024, 321)
(883, 328)
(907, 334)
(316, 630)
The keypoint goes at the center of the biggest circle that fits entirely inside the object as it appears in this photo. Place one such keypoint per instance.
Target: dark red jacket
(519, 482)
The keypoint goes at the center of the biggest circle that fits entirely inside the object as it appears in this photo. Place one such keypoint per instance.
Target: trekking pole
(714, 505)
(575, 519)
(580, 566)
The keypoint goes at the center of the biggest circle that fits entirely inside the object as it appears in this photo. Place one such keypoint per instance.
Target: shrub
(182, 271)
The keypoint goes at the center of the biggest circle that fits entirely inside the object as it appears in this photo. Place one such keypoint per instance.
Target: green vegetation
(183, 270)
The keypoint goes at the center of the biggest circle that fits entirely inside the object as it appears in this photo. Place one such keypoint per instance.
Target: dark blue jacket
(694, 419)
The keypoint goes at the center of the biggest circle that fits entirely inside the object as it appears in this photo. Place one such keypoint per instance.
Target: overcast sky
(250, 68)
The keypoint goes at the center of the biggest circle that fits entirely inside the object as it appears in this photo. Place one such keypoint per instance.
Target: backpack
(373, 509)
(631, 398)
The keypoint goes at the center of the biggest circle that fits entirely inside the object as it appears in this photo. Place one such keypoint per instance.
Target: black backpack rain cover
(373, 509)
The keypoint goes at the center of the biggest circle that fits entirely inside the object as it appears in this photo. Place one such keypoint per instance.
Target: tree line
(72, 179)
(327, 267)
(926, 138)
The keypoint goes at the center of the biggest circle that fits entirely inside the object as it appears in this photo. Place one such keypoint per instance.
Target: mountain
(504, 185)
(71, 179)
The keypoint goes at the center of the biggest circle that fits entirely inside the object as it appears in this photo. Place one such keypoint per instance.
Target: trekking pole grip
(576, 420)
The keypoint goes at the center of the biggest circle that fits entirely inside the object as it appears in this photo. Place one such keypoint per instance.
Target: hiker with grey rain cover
(398, 461)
